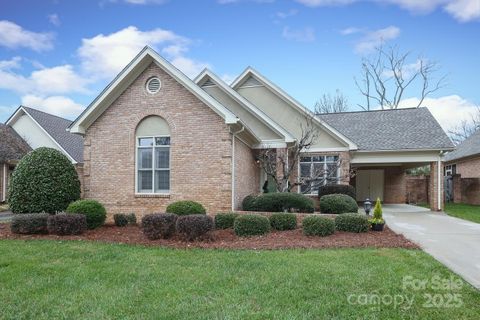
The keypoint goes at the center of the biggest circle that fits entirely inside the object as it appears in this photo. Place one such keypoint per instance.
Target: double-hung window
(317, 170)
(153, 164)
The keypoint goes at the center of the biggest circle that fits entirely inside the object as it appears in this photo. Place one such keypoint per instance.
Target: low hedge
(316, 225)
(93, 210)
(251, 225)
(132, 218)
(122, 219)
(337, 189)
(337, 204)
(352, 222)
(31, 223)
(67, 224)
(225, 220)
(186, 207)
(194, 225)
(159, 225)
(283, 221)
(248, 202)
(280, 202)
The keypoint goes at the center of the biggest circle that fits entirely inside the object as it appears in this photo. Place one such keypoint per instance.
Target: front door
(369, 184)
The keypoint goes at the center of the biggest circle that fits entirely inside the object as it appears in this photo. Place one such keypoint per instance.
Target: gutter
(234, 134)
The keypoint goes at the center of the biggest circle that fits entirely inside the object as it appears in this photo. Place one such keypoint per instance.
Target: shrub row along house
(153, 136)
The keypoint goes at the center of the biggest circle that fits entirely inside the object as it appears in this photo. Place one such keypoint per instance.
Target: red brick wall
(247, 173)
(395, 185)
(468, 168)
(1, 183)
(433, 187)
(417, 189)
(79, 169)
(470, 190)
(200, 149)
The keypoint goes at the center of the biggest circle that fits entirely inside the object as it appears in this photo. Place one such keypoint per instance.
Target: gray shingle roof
(469, 147)
(12, 146)
(57, 128)
(398, 129)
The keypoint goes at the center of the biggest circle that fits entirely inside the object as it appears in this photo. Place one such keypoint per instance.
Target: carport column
(436, 186)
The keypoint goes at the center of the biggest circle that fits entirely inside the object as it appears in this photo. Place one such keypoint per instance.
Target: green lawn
(88, 280)
(463, 211)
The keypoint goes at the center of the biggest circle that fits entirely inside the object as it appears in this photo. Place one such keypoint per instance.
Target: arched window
(153, 156)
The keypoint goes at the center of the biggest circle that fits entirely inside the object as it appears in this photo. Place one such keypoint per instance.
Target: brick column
(435, 200)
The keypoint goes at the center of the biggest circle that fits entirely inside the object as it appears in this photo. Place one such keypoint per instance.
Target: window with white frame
(318, 170)
(153, 156)
(450, 170)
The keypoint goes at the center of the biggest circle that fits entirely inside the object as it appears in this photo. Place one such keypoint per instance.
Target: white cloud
(464, 10)
(324, 3)
(138, 2)
(351, 30)
(57, 105)
(237, 1)
(228, 78)
(54, 19)
(286, 14)
(13, 63)
(103, 56)
(448, 110)
(373, 39)
(301, 35)
(56, 80)
(14, 36)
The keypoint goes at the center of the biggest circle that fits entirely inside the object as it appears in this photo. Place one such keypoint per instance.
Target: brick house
(462, 166)
(154, 136)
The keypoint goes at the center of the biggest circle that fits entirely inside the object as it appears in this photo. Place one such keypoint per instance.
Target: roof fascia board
(291, 101)
(245, 103)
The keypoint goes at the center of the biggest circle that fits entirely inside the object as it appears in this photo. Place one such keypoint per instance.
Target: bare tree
(466, 127)
(331, 104)
(388, 75)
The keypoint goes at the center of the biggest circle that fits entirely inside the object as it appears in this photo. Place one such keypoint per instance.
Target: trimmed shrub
(338, 203)
(159, 225)
(93, 210)
(194, 225)
(120, 219)
(251, 225)
(43, 181)
(316, 225)
(225, 220)
(248, 202)
(283, 221)
(132, 218)
(283, 201)
(352, 222)
(186, 207)
(67, 224)
(337, 189)
(377, 213)
(32, 223)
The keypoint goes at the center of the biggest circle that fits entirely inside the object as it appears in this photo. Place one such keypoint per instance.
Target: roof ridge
(52, 115)
(370, 111)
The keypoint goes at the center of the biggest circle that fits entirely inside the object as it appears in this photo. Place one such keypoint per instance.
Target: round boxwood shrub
(338, 203)
(282, 201)
(93, 210)
(186, 207)
(31, 223)
(352, 222)
(159, 225)
(120, 219)
(251, 225)
(43, 181)
(248, 202)
(318, 226)
(337, 189)
(193, 226)
(225, 220)
(283, 221)
(67, 224)
(132, 218)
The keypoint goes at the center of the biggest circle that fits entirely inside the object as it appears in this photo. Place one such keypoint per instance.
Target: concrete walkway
(452, 241)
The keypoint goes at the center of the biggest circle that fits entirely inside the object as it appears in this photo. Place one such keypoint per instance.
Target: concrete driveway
(452, 241)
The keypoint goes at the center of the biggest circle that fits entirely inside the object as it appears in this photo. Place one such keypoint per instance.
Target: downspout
(233, 164)
(439, 183)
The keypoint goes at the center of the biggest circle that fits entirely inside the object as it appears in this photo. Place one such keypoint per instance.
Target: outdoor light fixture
(367, 205)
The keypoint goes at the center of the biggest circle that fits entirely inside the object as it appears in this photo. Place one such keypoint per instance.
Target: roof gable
(469, 147)
(250, 77)
(128, 75)
(12, 146)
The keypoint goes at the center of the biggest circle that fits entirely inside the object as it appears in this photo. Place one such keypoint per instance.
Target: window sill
(152, 195)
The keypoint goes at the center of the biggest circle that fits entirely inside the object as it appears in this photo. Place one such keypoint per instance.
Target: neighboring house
(12, 149)
(462, 167)
(41, 129)
(154, 136)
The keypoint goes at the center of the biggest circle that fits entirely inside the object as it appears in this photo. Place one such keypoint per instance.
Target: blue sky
(57, 55)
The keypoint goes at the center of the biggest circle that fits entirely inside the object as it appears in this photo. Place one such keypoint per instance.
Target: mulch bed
(226, 239)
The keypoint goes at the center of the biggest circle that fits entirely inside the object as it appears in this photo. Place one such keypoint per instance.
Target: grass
(463, 211)
(91, 280)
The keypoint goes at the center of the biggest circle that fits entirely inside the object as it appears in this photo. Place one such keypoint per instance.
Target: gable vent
(208, 83)
(153, 85)
(251, 82)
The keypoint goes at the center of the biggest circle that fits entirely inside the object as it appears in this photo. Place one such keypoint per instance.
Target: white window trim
(325, 163)
(137, 146)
